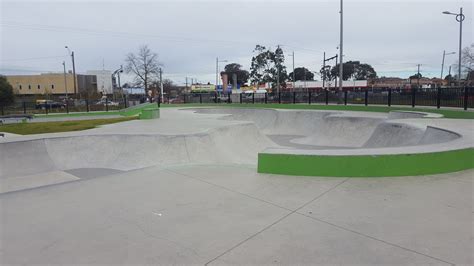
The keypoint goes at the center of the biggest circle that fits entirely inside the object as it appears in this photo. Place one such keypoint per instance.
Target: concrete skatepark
(185, 188)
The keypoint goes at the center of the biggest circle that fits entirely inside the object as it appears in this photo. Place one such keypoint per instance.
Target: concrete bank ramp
(228, 144)
(339, 129)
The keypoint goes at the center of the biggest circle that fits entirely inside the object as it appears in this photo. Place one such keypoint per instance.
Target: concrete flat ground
(230, 214)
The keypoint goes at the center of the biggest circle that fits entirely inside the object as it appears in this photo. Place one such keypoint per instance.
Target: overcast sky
(392, 36)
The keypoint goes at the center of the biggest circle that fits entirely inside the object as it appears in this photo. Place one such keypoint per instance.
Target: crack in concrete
(277, 221)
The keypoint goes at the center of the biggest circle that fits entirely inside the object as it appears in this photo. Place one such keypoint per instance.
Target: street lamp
(442, 64)
(217, 70)
(71, 53)
(459, 18)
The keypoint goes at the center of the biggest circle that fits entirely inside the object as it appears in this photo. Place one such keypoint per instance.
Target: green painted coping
(137, 109)
(150, 113)
(367, 165)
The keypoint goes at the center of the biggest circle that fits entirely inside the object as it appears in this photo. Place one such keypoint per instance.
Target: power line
(33, 58)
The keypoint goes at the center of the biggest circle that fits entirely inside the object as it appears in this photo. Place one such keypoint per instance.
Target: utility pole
(335, 78)
(324, 69)
(460, 20)
(341, 69)
(442, 63)
(217, 71)
(278, 80)
(73, 68)
(293, 70)
(65, 79)
(161, 85)
(418, 76)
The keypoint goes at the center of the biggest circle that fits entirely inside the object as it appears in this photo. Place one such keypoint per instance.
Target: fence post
(215, 97)
(106, 104)
(266, 97)
(366, 98)
(46, 108)
(327, 96)
(466, 97)
(200, 98)
(67, 106)
(240, 96)
(413, 96)
(294, 97)
(3, 112)
(389, 97)
(253, 97)
(159, 100)
(438, 98)
(345, 97)
(309, 97)
(24, 107)
(279, 97)
(87, 105)
(126, 104)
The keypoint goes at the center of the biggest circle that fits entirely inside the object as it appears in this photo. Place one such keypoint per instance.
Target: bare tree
(144, 65)
(467, 57)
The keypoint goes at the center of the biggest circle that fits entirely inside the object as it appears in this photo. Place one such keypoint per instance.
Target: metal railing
(460, 97)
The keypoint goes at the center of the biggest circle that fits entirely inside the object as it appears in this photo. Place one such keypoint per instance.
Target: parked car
(105, 102)
(43, 104)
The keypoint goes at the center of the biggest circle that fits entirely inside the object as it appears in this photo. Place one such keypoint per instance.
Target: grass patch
(367, 165)
(53, 127)
(448, 113)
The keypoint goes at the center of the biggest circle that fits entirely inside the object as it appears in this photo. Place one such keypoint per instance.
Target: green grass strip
(63, 126)
(367, 165)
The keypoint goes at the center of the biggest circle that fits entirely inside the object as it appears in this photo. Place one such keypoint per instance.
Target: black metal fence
(61, 105)
(437, 97)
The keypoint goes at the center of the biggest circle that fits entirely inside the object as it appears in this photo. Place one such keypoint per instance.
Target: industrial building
(52, 83)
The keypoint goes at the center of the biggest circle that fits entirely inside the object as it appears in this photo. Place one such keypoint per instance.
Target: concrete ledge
(367, 165)
(150, 113)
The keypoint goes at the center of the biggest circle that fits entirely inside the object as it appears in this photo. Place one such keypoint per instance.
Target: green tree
(242, 74)
(416, 76)
(6, 92)
(268, 66)
(301, 73)
(355, 70)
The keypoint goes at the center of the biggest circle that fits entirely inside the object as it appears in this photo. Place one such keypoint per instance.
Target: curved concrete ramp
(236, 144)
(230, 136)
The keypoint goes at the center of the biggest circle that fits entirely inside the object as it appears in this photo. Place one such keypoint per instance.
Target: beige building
(52, 83)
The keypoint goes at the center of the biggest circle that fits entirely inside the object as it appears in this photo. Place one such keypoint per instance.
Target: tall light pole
(293, 56)
(340, 50)
(442, 64)
(161, 85)
(65, 80)
(71, 53)
(459, 18)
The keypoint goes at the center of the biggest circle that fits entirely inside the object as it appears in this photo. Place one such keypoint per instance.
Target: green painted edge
(367, 165)
(150, 113)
